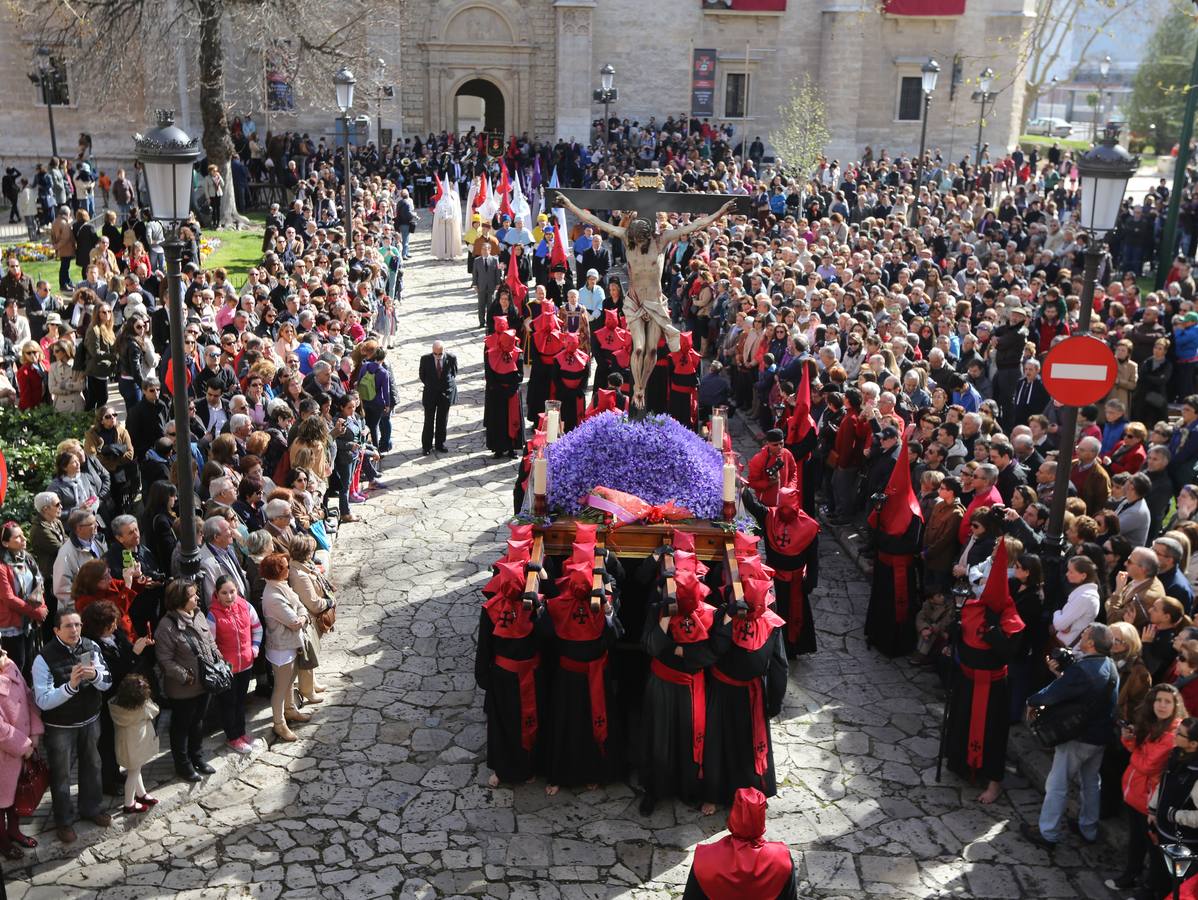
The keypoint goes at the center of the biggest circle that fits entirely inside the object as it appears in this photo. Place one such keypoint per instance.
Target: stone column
(841, 69)
(575, 78)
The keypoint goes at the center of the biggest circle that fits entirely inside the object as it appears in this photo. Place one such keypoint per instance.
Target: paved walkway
(385, 796)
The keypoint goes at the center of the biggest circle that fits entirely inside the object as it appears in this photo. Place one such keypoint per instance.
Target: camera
(1062, 656)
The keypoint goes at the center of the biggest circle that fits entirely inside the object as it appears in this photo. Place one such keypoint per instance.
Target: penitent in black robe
(985, 663)
(572, 756)
(506, 755)
(890, 620)
(669, 769)
(501, 409)
(807, 562)
(728, 759)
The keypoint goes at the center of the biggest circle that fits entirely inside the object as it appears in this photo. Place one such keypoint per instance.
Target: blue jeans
(129, 391)
(80, 744)
(1072, 760)
(405, 233)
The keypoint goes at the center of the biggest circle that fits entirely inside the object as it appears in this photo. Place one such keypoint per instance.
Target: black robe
(506, 756)
(572, 757)
(658, 389)
(540, 384)
(728, 759)
(669, 769)
(882, 629)
(605, 365)
(682, 388)
(570, 387)
(497, 405)
(998, 709)
(808, 561)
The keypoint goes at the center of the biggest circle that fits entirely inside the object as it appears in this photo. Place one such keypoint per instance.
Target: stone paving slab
(384, 795)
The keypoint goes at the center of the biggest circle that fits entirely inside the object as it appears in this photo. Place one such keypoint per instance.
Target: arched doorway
(479, 103)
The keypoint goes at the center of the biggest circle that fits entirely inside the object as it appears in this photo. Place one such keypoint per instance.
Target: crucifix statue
(645, 307)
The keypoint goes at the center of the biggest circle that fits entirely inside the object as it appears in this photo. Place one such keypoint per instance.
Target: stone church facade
(533, 66)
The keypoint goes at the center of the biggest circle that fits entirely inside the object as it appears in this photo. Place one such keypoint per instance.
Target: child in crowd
(931, 623)
(133, 714)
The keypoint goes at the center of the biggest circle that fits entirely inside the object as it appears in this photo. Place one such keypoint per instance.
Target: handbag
(305, 656)
(215, 674)
(326, 620)
(31, 784)
(320, 535)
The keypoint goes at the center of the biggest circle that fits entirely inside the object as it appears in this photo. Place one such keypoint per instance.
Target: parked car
(1050, 127)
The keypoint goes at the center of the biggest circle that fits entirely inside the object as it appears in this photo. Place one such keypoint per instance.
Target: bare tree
(114, 43)
(802, 132)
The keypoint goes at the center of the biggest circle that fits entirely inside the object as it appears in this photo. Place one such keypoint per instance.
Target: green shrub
(28, 439)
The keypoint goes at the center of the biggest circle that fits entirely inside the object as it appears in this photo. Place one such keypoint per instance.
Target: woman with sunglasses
(136, 358)
(99, 344)
(33, 386)
(109, 441)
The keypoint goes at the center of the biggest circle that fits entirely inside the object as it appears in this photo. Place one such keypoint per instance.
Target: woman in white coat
(1081, 607)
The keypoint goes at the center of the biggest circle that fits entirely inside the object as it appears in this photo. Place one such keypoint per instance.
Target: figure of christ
(645, 306)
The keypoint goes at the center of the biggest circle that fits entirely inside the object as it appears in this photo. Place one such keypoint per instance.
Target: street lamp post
(168, 154)
(1103, 172)
(1179, 858)
(606, 95)
(930, 72)
(344, 82)
(45, 68)
(1180, 164)
(983, 96)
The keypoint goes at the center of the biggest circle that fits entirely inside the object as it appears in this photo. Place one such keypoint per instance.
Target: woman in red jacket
(237, 631)
(32, 377)
(21, 602)
(1150, 740)
(1129, 454)
(93, 583)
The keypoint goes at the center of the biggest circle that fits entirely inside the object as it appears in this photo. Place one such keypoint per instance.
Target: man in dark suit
(485, 279)
(1010, 473)
(1030, 396)
(594, 257)
(438, 374)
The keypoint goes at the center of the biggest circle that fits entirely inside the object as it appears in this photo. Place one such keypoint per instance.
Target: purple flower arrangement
(655, 458)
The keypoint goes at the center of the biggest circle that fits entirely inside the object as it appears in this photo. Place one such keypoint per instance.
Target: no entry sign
(1079, 370)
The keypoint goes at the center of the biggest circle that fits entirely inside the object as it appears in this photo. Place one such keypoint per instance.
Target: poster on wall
(703, 83)
(280, 95)
(745, 5)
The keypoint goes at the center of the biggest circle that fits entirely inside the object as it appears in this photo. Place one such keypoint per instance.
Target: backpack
(367, 389)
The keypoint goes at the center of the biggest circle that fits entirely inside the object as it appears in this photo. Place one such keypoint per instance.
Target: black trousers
(187, 728)
(232, 705)
(436, 415)
(64, 272)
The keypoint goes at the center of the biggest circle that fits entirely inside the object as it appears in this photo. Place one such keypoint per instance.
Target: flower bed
(31, 251)
(655, 458)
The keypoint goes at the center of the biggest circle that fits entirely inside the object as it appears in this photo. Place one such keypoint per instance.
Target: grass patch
(1063, 143)
(238, 252)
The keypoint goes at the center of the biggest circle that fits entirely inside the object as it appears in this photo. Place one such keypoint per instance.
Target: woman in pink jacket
(237, 631)
(20, 731)
(1149, 739)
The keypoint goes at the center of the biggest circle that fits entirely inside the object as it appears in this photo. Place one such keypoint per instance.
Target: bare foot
(551, 790)
(493, 781)
(993, 792)
(707, 809)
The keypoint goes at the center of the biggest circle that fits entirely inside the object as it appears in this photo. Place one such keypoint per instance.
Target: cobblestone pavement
(384, 795)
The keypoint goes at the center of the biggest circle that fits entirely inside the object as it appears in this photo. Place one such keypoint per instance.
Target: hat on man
(774, 436)
(889, 433)
(476, 218)
(54, 319)
(1189, 318)
(594, 273)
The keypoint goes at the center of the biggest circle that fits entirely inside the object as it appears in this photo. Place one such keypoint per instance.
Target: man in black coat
(1010, 474)
(1029, 397)
(438, 374)
(594, 257)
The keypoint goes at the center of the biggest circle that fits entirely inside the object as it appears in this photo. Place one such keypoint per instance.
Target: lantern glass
(169, 185)
(930, 71)
(344, 81)
(607, 75)
(985, 80)
(1105, 66)
(1180, 858)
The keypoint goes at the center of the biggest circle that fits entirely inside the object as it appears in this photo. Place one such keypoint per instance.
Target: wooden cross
(649, 199)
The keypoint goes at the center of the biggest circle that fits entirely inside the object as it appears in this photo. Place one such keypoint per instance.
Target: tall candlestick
(552, 425)
(540, 473)
(729, 483)
(717, 432)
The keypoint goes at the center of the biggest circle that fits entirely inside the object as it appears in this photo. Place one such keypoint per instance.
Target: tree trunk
(1030, 94)
(218, 144)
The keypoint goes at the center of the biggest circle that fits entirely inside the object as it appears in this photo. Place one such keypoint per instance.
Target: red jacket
(12, 608)
(1131, 461)
(237, 632)
(852, 437)
(30, 387)
(117, 594)
(989, 498)
(1146, 767)
(761, 483)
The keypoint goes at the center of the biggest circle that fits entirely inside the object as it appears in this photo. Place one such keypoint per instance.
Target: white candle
(729, 483)
(552, 425)
(717, 433)
(539, 476)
